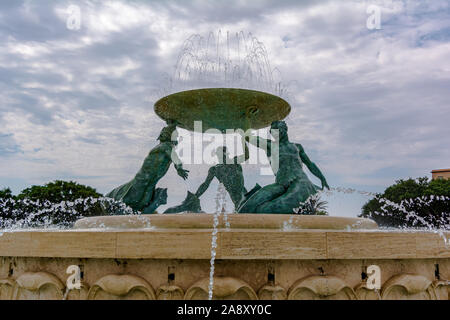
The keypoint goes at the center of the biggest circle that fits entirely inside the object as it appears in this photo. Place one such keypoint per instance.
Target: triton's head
(282, 128)
(168, 134)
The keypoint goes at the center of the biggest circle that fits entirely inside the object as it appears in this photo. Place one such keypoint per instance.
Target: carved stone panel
(121, 287)
(38, 286)
(364, 293)
(6, 289)
(77, 294)
(408, 287)
(169, 292)
(225, 288)
(272, 292)
(321, 288)
(442, 289)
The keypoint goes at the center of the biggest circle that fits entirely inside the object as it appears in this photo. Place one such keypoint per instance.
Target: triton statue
(291, 186)
(141, 193)
(222, 109)
(228, 172)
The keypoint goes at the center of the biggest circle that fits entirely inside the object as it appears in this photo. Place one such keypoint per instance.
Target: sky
(369, 105)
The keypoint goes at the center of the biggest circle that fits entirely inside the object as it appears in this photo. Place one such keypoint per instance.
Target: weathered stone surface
(42, 278)
(236, 221)
(255, 259)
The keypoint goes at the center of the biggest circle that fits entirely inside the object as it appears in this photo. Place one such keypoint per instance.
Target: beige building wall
(440, 174)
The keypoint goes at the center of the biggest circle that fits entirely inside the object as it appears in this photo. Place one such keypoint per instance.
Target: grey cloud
(8, 145)
(231, 11)
(32, 21)
(368, 105)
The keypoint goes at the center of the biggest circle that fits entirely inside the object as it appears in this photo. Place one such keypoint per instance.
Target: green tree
(58, 203)
(6, 193)
(400, 190)
(413, 196)
(438, 187)
(58, 191)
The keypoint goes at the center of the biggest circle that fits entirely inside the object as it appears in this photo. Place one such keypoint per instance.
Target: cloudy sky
(369, 105)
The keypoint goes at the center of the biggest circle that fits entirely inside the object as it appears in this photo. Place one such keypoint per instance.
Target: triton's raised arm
(205, 185)
(260, 143)
(242, 158)
(311, 166)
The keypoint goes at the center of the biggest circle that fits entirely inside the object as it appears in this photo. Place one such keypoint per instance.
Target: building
(440, 174)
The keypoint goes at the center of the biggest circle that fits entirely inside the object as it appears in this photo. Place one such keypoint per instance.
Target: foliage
(313, 206)
(24, 213)
(6, 193)
(56, 204)
(438, 187)
(58, 191)
(411, 203)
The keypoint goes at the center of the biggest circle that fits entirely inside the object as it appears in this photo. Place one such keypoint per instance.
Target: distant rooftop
(440, 170)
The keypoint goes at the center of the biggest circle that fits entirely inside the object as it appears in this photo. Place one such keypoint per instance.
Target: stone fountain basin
(257, 257)
(222, 108)
(233, 221)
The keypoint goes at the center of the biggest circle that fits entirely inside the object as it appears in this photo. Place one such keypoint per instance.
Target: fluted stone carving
(38, 286)
(77, 294)
(44, 285)
(442, 289)
(408, 287)
(364, 293)
(169, 292)
(225, 288)
(121, 287)
(272, 292)
(321, 288)
(6, 289)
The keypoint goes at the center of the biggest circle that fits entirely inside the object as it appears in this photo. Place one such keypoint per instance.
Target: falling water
(221, 203)
(213, 254)
(287, 225)
(410, 215)
(220, 208)
(439, 225)
(26, 213)
(224, 60)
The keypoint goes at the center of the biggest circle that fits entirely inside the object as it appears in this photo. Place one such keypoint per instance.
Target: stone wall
(45, 278)
(257, 257)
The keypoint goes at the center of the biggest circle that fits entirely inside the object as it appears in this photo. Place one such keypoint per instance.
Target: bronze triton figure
(291, 186)
(141, 193)
(228, 172)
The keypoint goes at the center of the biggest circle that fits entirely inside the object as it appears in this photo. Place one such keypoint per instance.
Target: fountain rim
(222, 88)
(235, 221)
(274, 107)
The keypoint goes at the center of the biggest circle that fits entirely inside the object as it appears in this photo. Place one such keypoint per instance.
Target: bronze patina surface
(222, 108)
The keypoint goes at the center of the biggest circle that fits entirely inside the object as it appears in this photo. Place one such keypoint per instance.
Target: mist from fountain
(438, 225)
(25, 213)
(443, 222)
(224, 60)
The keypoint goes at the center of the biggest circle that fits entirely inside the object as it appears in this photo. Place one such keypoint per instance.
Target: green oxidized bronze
(224, 108)
(228, 172)
(141, 193)
(292, 185)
